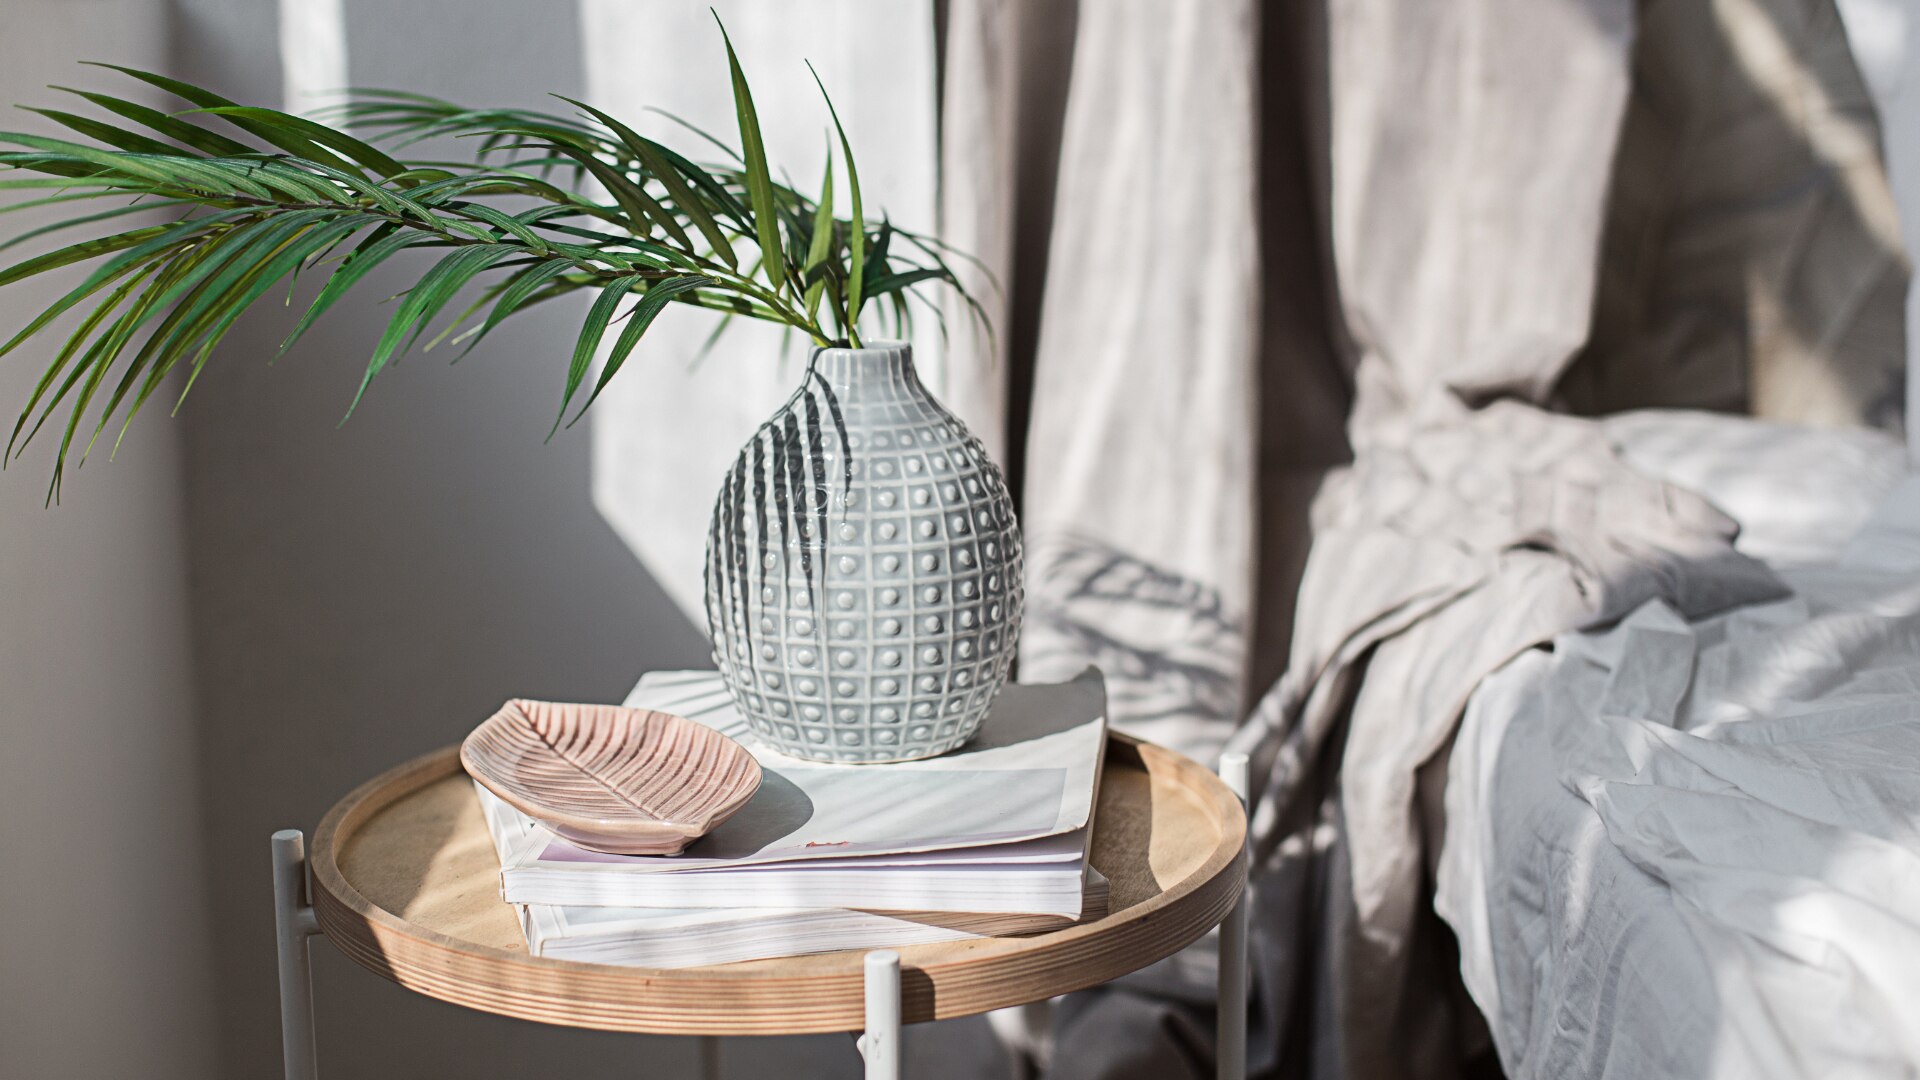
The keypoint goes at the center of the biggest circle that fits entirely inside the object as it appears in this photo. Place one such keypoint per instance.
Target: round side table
(404, 880)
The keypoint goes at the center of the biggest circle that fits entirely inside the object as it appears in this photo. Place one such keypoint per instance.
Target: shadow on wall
(366, 593)
(1167, 639)
(98, 830)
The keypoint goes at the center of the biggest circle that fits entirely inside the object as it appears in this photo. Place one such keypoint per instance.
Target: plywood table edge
(735, 1000)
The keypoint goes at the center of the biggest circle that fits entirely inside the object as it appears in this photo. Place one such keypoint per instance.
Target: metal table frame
(295, 926)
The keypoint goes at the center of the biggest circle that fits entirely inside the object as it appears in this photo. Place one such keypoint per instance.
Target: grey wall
(366, 593)
(103, 964)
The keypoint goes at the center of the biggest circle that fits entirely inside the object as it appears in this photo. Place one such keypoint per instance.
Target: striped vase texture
(863, 568)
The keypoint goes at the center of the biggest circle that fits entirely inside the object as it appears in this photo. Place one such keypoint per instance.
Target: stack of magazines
(989, 840)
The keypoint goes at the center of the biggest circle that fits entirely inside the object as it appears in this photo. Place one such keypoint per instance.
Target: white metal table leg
(1232, 1033)
(294, 923)
(881, 1043)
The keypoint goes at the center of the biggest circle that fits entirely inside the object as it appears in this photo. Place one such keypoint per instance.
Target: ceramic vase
(863, 580)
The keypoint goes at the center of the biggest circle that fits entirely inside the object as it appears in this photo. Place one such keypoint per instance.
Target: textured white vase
(863, 568)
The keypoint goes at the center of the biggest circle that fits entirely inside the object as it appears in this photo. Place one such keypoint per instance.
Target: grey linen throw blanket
(1434, 563)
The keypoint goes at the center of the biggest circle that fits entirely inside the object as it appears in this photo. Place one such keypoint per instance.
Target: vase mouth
(845, 365)
(867, 348)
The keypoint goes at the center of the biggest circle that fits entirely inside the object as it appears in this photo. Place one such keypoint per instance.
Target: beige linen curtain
(1139, 502)
(1458, 218)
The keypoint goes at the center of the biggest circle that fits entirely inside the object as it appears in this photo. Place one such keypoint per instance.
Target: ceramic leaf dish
(613, 779)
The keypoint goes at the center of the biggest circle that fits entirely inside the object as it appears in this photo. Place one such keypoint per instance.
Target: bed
(1680, 849)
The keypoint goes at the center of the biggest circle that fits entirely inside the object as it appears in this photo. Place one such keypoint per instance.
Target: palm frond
(547, 205)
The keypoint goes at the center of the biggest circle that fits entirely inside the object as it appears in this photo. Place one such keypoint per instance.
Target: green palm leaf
(598, 316)
(422, 304)
(822, 242)
(638, 320)
(766, 220)
(655, 160)
(545, 206)
(857, 239)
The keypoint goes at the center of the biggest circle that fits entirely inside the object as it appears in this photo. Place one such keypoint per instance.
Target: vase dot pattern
(864, 569)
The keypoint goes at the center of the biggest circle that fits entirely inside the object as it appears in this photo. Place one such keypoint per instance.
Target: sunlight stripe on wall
(313, 53)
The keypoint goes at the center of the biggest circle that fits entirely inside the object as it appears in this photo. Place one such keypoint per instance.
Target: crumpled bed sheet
(1693, 850)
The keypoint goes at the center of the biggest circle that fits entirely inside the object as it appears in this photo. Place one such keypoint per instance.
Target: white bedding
(1694, 851)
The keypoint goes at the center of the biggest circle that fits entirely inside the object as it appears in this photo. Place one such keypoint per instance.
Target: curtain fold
(1751, 259)
(1142, 447)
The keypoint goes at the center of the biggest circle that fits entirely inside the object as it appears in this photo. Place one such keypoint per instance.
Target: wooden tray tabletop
(405, 881)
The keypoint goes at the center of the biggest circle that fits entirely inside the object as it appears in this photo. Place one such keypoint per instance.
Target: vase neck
(889, 361)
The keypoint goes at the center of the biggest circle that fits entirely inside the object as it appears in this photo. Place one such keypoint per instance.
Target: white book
(688, 937)
(999, 826)
(1033, 877)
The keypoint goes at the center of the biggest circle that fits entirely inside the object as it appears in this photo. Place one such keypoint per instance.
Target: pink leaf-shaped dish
(626, 781)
